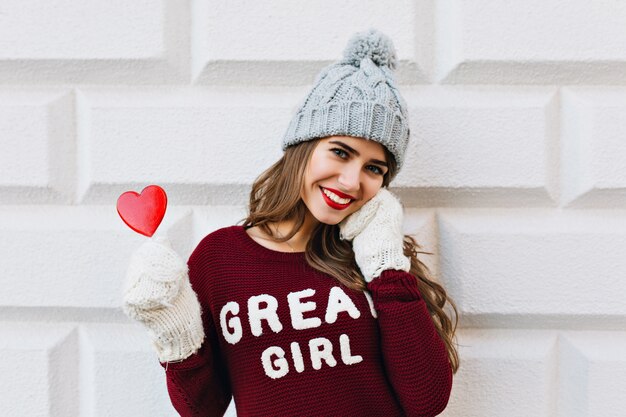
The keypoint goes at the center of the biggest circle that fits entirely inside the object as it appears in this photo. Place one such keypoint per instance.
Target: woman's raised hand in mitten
(158, 295)
(376, 234)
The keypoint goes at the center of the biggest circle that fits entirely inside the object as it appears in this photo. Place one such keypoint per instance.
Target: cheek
(319, 171)
(357, 207)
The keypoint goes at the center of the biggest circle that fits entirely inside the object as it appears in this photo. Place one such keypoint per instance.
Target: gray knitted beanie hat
(356, 96)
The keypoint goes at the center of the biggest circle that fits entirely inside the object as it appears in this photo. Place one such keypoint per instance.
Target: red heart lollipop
(143, 212)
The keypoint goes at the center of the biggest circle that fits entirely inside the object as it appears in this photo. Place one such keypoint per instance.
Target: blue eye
(340, 150)
(376, 169)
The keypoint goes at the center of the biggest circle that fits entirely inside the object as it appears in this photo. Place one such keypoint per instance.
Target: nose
(350, 179)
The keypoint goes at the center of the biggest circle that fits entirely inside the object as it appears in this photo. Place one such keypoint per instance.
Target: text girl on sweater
(317, 304)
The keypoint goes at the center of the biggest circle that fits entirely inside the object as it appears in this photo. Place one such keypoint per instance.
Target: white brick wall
(515, 178)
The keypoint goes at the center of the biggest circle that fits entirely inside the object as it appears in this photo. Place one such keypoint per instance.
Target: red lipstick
(331, 203)
(340, 194)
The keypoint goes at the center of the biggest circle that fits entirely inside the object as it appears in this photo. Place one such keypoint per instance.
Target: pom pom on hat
(371, 44)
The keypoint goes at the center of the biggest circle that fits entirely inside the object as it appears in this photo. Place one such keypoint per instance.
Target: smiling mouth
(339, 205)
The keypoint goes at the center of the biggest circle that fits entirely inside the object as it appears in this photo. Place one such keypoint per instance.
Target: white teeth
(335, 197)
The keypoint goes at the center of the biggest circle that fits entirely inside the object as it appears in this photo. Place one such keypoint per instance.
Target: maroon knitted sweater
(286, 340)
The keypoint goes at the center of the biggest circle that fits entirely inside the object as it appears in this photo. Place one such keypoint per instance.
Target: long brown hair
(275, 197)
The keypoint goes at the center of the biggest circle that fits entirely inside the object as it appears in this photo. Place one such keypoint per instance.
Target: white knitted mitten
(158, 294)
(376, 234)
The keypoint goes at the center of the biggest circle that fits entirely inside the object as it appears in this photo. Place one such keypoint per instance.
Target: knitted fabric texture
(158, 294)
(284, 339)
(376, 232)
(356, 96)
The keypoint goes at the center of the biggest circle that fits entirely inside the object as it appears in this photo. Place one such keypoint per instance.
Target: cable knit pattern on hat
(356, 96)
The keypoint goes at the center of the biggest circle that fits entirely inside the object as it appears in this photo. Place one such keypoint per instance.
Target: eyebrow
(354, 151)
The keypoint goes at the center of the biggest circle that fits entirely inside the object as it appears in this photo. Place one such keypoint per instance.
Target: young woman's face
(342, 164)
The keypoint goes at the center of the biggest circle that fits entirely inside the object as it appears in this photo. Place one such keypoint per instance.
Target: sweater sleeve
(414, 355)
(199, 385)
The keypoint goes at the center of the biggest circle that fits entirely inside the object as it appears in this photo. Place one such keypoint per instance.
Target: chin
(332, 220)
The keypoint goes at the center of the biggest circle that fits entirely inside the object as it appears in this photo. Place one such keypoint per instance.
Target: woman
(317, 304)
